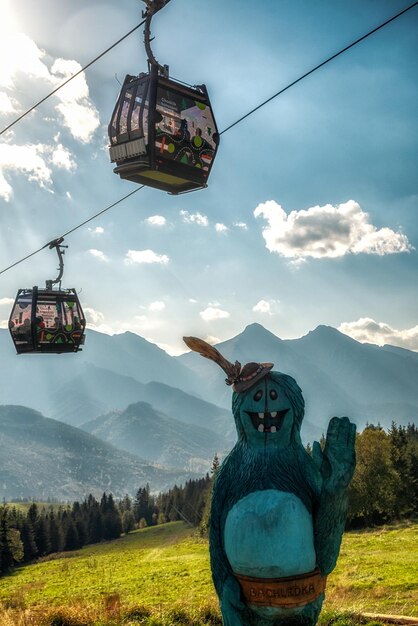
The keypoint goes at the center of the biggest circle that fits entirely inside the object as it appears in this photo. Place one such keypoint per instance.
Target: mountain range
(44, 458)
(143, 431)
(175, 411)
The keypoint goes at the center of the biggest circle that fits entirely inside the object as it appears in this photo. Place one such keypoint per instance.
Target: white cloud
(61, 157)
(6, 301)
(7, 105)
(167, 347)
(211, 313)
(211, 339)
(157, 306)
(34, 161)
(93, 317)
(194, 218)
(241, 225)
(29, 160)
(99, 230)
(221, 228)
(20, 56)
(23, 69)
(98, 254)
(145, 256)
(326, 232)
(156, 220)
(265, 306)
(192, 301)
(78, 111)
(367, 330)
(5, 309)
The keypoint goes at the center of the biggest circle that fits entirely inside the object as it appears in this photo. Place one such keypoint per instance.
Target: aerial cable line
(317, 67)
(75, 228)
(71, 78)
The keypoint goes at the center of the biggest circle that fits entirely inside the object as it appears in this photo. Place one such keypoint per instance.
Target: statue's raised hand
(337, 460)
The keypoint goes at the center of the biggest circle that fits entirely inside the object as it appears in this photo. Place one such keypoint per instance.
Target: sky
(310, 216)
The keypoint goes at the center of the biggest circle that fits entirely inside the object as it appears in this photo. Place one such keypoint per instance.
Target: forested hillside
(384, 489)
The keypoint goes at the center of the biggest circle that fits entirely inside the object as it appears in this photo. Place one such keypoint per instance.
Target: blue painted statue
(278, 513)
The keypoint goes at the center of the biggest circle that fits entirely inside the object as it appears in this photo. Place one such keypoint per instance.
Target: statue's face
(266, 414)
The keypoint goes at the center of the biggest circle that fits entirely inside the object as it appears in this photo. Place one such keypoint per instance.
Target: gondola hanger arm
(57, 244)
(153, 6)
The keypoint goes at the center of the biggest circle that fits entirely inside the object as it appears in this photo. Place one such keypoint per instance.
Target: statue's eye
(258, 395)
(273, 394)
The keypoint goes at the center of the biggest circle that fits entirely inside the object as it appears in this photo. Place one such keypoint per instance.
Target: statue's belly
(269, 534)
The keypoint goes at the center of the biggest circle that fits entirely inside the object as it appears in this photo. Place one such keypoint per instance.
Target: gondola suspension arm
(153, 6)
(57, 244)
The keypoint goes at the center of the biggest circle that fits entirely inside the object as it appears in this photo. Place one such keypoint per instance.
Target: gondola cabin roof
(47, 321)
(163, 133)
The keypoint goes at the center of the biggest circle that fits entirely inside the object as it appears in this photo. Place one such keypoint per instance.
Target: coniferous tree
(95, 525)
(141, 503)
(112, 525)
(71, 537)
(42, 538)
(27, 534)
(403, 453)
(6, 553)
(56, 534)
(33, 513)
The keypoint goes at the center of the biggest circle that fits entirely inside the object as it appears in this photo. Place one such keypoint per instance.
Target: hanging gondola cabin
(163, 134)
(47, 320)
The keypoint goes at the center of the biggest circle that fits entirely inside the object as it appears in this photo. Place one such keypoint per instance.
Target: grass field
(164, 571)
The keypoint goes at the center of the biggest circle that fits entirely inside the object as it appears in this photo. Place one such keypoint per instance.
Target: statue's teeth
(261, 428)
(273, 429)
(261, 416)
(273, 414)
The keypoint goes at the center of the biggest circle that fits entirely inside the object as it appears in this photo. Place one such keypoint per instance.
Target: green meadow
(160, 576)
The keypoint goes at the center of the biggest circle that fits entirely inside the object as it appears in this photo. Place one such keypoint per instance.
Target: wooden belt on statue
(289, 592)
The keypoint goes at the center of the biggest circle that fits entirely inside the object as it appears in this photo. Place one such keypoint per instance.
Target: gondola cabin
(163, 133)
(47, 321)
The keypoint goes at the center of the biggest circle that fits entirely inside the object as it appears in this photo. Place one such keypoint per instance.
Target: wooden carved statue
(278, 513)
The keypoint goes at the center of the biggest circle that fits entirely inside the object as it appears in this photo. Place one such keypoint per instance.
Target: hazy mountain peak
(328, 333)
(255, 329)
(138, 408)
(18, 413)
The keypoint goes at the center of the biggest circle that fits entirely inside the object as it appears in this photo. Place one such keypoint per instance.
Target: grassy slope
(165, 565)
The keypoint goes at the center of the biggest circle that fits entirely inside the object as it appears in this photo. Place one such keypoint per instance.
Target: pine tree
(112, 525)
(27, 534)
(71, 537)
(215, 465)
(95, 525)
(141, 502)
(56, 534)
(42, 537)
(6, 553)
